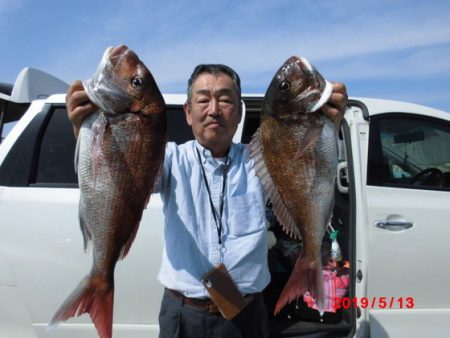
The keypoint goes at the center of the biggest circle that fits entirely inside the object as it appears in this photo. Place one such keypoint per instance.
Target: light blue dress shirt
(190, 240)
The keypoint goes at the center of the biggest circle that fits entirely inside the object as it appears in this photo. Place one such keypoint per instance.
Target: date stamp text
(374, 302)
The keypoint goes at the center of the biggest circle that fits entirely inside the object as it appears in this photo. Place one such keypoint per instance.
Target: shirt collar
(206, 155)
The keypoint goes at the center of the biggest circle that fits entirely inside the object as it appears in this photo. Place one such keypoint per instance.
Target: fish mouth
(321, 86)
(326, 94)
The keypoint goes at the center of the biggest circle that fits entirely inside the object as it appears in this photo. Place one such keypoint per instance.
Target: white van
(392, 212)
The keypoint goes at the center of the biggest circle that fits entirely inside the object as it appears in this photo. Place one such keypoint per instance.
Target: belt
(204, 304)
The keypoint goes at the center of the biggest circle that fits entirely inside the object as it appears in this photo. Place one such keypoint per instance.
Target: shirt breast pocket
(246, 214)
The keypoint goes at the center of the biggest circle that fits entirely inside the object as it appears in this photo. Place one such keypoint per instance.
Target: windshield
(415, 147)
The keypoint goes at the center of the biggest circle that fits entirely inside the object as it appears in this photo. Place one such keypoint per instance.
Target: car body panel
(42, 257)
(400, 267)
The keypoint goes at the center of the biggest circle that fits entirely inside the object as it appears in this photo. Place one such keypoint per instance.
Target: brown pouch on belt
(224, 292)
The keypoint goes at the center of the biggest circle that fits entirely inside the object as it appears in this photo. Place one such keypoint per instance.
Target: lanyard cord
(217, 218)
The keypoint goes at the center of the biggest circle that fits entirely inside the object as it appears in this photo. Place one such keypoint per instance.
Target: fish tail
(93, 295)
(306, 276)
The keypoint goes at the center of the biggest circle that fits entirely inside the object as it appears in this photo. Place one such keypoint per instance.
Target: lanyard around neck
(217, 217)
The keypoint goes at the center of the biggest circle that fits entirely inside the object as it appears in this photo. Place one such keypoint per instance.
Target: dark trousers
(180, 320)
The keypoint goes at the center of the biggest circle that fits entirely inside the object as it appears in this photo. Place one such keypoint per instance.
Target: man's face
(214, 112)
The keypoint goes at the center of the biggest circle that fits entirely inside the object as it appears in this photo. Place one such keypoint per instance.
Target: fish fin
(306, 276)
(126, 248)
(93, 296)
(310, 138)
(278, 206)
(87, 236)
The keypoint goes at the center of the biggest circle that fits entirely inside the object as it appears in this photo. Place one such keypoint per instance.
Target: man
(214, 209)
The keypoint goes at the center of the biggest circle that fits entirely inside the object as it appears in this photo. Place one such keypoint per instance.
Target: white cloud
(258, 50)
(355, 40)
(417, 63)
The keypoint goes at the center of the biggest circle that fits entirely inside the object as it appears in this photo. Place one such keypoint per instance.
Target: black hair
(214, 69)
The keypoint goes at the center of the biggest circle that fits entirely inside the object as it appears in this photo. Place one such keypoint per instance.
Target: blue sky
(384, 48)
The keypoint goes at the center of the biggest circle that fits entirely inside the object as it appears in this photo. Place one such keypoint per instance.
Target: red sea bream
(120, 153)
(295, 155)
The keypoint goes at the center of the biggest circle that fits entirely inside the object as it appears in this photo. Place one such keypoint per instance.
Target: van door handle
(393, 225)
(342, 166)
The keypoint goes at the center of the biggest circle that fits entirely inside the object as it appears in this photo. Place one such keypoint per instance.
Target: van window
(7, 128)
(10, 112)
(178, 130)
(409, 151)
(55, 163)
(252, 117)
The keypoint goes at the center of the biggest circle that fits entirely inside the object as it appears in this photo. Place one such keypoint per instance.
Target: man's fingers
(336, 104)
(77, 85)
(78, 105)
(78, 98)
(339, 97)
(331, 111)
(80, 112)
(339, 87)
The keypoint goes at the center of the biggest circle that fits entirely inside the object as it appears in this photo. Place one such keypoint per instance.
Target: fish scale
(120, 153)
(295, 155)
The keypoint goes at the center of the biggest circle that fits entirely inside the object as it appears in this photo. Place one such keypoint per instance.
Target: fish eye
(137, 82)
(284, 86)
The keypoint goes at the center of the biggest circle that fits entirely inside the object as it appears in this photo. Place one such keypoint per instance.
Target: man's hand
(78, 105)
(336, 104)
